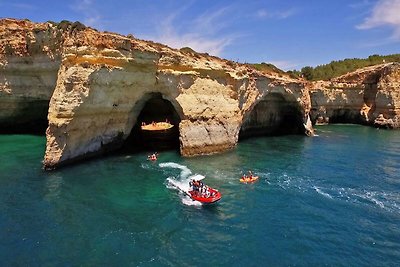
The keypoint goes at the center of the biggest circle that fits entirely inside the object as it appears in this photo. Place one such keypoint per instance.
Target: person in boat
(203, 190)
(207, 193)
(250, 176)
(153, 156)
(195, 185)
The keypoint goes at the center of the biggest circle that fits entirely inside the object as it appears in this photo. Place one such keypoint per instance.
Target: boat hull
(214, 196)
(249, 180)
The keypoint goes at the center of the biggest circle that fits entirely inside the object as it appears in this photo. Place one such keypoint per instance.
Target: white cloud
(204, 33)
(263, 13)
(285, 64)
(19, 6)
(197, 42)
(384, 13)
(361, 4)
(23, 6)
(90, 13)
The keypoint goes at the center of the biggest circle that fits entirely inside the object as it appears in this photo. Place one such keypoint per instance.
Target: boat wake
(319, 191)
(389, 201)
(181, 181)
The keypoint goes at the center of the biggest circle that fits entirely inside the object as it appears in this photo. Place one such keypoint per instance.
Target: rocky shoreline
(99, 86)
(368, 96)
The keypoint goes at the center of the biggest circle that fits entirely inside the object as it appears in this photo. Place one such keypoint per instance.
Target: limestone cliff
(29, 62)
(103, 84)
(367, 96)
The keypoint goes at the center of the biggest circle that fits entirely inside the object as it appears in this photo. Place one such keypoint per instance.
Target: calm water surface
(329, 200)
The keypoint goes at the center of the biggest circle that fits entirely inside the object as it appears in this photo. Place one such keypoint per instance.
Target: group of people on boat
(203, 193)
(200, 189)
(153, 123)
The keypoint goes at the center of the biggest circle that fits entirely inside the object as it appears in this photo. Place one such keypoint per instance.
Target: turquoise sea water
(329, 200)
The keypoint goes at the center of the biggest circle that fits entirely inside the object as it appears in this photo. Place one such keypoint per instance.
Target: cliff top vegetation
(340, 67)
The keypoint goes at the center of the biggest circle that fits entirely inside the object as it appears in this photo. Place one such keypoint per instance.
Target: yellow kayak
(248, 179)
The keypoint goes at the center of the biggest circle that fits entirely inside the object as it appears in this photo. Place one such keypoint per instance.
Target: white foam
(181, 182)
(319, 191)
(145, 166)
(190, 202)
(185, 172)
(383, 200)
(370, 196)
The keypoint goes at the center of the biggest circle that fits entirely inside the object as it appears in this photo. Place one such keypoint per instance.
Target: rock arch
(273, 114)
(105, 80)
(153, 107)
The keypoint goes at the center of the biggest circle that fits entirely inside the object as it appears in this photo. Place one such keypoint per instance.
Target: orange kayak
(248, 179)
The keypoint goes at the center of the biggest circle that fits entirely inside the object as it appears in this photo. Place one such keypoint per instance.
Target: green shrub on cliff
(187, 50)
(266, 67)
(68, 25)
(340, 67)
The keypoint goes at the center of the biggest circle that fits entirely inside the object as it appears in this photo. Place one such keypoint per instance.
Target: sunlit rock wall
(29, 62)
(367, 96)
(99, 82)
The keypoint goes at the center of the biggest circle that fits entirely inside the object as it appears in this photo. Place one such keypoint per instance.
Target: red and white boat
(211, 196)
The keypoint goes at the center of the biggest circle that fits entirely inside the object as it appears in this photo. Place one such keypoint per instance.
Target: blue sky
(289, 34)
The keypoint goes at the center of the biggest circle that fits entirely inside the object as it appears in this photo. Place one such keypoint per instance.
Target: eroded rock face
(30, 56)
(104, 80)
(367, 96)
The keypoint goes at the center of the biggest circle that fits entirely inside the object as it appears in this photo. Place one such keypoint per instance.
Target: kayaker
(152, 156)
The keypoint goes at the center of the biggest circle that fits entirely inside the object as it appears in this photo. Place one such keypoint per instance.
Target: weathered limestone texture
(29, 61)
(104, 80)
(368, 96)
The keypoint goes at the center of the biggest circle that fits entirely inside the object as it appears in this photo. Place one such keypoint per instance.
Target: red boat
(212, 196)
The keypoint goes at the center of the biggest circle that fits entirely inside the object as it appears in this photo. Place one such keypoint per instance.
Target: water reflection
(53, 184)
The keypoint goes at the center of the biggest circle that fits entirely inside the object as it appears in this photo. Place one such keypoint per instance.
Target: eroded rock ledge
(369, 96)
(100, 83)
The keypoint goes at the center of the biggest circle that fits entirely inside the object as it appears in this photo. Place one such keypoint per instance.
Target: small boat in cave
(156, 126)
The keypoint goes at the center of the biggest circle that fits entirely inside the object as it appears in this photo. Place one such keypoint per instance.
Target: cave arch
(154, 107)
(272, 115)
